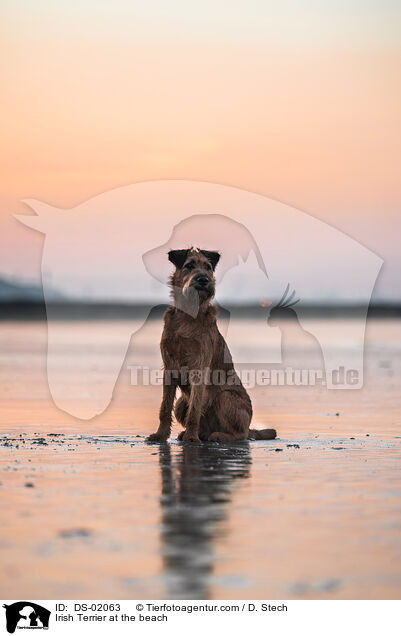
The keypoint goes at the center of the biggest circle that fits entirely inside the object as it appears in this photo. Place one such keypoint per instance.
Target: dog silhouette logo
(26, 615)
(114, 246)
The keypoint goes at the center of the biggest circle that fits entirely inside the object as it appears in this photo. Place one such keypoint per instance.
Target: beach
(90, 510)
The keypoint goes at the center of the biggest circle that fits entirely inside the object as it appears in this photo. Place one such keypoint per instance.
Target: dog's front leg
(194, 413)
(169, 389)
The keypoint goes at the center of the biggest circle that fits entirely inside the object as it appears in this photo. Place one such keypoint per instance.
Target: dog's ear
(178, 257)
(212, 257)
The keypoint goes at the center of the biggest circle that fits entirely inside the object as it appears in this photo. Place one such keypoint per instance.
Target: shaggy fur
(192, 347)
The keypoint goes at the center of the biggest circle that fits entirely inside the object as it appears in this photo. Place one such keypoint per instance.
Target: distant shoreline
(33, 310)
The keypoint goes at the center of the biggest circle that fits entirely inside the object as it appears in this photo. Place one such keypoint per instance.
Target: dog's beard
(187, 299)
(186, 290)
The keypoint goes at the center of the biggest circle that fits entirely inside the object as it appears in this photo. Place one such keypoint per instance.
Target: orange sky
(301, 103)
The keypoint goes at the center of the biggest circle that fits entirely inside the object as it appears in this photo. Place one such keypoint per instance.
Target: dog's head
(194, 270)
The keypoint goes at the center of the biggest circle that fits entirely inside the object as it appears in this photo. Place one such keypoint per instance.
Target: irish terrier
(214, 405)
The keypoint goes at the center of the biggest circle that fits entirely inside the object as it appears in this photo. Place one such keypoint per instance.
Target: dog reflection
(196, 490)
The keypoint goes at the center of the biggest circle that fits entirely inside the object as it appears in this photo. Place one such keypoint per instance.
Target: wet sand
(90, 510)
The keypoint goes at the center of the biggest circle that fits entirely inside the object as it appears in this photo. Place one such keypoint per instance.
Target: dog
(214, 405)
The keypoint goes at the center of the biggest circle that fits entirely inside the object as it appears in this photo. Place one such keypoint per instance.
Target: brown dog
(214, 405)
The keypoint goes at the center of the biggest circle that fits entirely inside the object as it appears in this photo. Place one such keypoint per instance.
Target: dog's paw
(218, 437)
(156, 437)
(190, 438)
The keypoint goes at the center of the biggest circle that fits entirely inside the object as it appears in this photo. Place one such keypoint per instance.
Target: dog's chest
(187, 346)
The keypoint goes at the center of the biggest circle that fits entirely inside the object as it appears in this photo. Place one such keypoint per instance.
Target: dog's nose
(202, 280)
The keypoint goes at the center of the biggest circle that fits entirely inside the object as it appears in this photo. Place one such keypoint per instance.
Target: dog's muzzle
(201, 282)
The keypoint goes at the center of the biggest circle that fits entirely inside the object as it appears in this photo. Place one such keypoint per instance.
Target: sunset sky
(298, 101)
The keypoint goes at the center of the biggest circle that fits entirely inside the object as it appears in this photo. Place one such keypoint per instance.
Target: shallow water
(90, 510)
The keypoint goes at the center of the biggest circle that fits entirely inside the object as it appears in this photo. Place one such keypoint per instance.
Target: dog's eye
(189, 266)
(208, 266)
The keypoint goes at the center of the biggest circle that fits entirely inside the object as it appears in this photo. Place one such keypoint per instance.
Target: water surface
(90, 510)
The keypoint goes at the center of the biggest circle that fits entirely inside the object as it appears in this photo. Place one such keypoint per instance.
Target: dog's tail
(265, 433)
